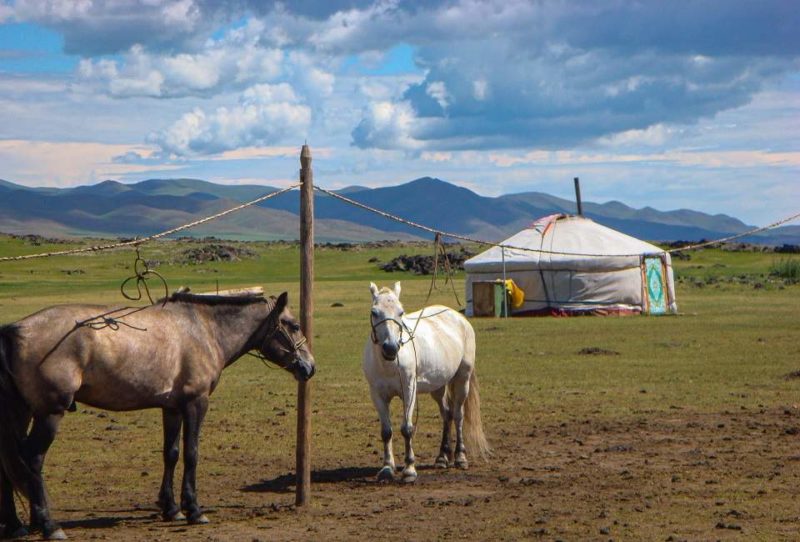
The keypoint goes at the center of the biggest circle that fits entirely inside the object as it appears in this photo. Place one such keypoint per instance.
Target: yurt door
(655, 285)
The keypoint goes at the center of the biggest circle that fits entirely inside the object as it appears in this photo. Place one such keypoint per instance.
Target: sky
(681, 104)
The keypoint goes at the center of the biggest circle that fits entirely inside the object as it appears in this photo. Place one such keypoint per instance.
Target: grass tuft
(787, 268)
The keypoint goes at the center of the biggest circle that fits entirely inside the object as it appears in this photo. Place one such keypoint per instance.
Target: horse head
(284, 344)
(386, 319)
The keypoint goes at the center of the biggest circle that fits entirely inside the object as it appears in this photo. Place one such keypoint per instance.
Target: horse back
(117, 358)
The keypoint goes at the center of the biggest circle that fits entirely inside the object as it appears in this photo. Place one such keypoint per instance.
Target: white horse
(430, 351)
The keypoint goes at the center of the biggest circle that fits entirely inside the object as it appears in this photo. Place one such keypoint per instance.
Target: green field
(725, 360)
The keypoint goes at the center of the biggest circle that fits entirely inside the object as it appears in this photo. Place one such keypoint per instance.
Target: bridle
(285, 343)
(289, 345)
(400, 324)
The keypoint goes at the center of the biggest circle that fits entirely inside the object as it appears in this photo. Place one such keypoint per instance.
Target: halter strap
(401, 324)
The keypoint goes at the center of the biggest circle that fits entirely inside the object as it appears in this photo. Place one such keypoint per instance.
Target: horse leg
(35, 448)
(460, 390)
(407, 429)
(445, 451)
(12, 527)
(382, 406)
(166, 497)
(193, 414)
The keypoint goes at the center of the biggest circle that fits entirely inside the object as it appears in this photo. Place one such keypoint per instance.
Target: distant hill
(111, 208)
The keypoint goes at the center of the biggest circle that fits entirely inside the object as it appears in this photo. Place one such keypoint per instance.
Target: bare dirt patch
(658, 476)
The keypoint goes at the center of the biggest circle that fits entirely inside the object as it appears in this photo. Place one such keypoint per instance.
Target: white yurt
(571, 265)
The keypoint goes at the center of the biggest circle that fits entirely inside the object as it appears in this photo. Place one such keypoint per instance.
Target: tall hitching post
(306, 321)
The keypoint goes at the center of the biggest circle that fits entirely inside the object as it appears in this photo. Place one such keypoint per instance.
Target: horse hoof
(441, 463)
(20, 532)
(58, 534)
(177, 516)
(386, 474)
(409, 477)
(199, 520)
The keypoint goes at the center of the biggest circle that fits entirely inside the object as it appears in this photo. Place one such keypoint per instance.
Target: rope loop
(141, 274)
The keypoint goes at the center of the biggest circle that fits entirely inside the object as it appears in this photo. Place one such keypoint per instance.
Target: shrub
(787, 268)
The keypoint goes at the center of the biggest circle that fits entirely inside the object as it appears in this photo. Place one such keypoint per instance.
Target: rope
(141, 273)
(738, 235)
(447, 269)
(137, 242)
(483, 242)
(390, 216)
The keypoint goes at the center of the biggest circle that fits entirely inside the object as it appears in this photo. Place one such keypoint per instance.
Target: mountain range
(111, 208)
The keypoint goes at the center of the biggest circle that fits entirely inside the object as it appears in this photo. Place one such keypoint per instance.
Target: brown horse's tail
(473, 426)
(14, 416)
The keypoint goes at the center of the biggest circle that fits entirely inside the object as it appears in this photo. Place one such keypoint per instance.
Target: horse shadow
(109, 521)
(286, 483)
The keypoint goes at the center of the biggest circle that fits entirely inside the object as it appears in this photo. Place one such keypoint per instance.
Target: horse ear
(397, 289)
(374, 289)
(281, 303)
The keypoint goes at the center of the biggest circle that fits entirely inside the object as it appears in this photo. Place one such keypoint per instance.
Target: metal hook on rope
(141, 273)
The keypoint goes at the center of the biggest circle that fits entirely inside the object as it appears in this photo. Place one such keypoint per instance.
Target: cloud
(264, 115)
(492, 82)
(96, 27)
(60, 164)
(233, 62)
(387, 125)
(703, 159)
(497, 74)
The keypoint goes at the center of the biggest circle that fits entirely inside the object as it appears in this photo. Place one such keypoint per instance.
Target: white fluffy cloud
(265, 114)
(235, 61)
(388, 125)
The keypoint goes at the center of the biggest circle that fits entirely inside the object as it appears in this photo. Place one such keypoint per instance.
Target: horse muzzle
(389, 350)
(304, 370)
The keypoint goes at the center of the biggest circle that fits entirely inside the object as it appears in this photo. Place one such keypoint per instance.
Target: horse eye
(295, 326)
(376, 313)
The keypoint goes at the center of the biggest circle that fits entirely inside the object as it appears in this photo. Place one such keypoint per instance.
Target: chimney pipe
(578, 196)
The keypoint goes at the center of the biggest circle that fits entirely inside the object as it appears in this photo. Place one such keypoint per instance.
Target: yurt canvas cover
(583, 268)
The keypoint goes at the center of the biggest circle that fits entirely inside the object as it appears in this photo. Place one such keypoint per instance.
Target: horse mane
(183, 295)
(9, 331)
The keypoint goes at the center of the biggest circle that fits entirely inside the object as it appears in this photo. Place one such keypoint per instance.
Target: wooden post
(303, 453)
(578, 196)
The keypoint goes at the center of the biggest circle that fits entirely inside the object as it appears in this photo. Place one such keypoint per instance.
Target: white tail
(473, 426)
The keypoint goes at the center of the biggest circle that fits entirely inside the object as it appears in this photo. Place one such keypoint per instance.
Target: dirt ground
(726, 475)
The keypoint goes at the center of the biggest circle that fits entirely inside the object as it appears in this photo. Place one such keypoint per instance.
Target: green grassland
(730, 348)
(736, 332)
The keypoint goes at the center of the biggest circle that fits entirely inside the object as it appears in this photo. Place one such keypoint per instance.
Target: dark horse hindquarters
(14, 419)
(167, 356)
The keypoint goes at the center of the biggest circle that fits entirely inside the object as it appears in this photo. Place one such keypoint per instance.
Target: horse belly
(433, 374)
(430, 382)
(110, 393)
(128, 382)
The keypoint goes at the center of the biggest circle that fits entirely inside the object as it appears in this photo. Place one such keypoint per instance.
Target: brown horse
(169, 356)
